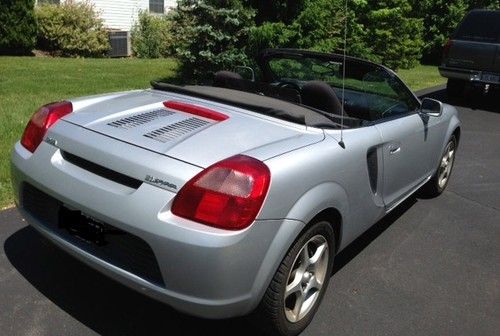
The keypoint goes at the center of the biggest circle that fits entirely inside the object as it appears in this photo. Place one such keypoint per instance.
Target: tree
(284, 11)
(490, 4)
(395, 36)
(17, 26)
(440, 17)
(210, 36)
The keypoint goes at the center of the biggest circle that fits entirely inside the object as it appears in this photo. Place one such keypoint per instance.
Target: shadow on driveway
(110, 308)
(473, 99)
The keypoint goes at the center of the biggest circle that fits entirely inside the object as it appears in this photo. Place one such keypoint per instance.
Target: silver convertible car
(233, 199)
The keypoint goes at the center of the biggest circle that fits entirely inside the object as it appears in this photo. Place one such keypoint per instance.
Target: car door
(404, 132)
(404, 155)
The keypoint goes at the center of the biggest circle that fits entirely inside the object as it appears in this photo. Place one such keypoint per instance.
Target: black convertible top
(260, 103)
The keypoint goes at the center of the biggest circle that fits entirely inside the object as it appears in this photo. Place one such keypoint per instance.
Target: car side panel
(318, 175)
(449, 123)
(404, 151)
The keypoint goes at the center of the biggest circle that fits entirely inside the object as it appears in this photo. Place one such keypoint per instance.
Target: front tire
(441, 178)
(297, 288)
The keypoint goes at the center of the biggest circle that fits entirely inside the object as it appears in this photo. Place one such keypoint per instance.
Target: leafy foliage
(284, 11)
(371, 32)
(490, 4)
(395, 36)
(397, 33)
(441, 17)
(210, 35)
(71, 29)
(151, 36)
(17, 26)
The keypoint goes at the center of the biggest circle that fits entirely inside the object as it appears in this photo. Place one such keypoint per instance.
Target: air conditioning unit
(120, 43)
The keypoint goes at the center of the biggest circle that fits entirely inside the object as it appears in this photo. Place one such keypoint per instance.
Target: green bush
(210, 36)
(17, 26)
(393, 34)
(441, 17)
(71, 29)
(151, 36)
(271, 35)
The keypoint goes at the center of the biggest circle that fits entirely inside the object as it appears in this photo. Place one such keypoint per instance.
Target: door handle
(394, 149)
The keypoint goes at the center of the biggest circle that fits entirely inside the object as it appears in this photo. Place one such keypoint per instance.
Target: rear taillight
(41, 121)
(226, 195)
(446, 48)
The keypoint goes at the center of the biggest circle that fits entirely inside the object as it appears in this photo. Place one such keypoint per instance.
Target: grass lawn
(26, 83)
(422, 77)
(29, 82)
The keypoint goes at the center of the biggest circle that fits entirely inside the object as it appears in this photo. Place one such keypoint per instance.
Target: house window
(157, 6)
(53, 2)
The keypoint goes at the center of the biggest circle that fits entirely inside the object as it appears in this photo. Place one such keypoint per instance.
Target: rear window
(480, 26)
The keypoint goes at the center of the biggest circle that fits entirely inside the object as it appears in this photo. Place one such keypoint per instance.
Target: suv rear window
(480, 26)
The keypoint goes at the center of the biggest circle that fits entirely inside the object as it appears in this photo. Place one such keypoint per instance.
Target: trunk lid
(141, 119)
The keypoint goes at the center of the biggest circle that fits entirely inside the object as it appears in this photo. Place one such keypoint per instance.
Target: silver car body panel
(207, 271)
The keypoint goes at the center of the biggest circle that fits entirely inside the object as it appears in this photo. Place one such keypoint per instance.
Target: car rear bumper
(196, 269)
(473, 76)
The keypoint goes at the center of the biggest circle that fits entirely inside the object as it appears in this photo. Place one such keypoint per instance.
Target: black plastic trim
(102, 171)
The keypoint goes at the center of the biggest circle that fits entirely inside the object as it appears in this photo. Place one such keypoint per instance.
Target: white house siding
(122, 14)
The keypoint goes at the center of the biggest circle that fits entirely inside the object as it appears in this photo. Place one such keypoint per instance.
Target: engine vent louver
(140, 119)
(176, 130)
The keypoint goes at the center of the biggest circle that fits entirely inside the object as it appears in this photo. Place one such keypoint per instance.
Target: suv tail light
(447, 47)
(226, 195)
(41, 121)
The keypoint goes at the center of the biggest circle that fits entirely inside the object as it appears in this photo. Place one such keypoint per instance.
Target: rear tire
(455, 87)
(297, 288)
(436, 185)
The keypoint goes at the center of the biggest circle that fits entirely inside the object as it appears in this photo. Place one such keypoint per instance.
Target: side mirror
(431, 107)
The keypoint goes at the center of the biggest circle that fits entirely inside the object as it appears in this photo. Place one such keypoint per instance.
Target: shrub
(210, 36)
(151, 36)
(17, 26)
(441, 17)
(71, 29)
(271, 35)
(395, 36)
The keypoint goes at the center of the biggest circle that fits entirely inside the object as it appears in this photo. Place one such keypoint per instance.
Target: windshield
(371, 91)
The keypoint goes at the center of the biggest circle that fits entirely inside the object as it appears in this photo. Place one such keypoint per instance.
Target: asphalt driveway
(431, 268)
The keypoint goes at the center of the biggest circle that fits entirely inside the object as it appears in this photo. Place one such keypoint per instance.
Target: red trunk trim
(196, 110)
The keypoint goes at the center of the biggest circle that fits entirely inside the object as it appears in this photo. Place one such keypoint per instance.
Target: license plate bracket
(490, 78)
(82, 226)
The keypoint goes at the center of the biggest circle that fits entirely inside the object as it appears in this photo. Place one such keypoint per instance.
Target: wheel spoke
(298, 305)
(444, 162)
(304, 259)
(318, 254)
(294, 287)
